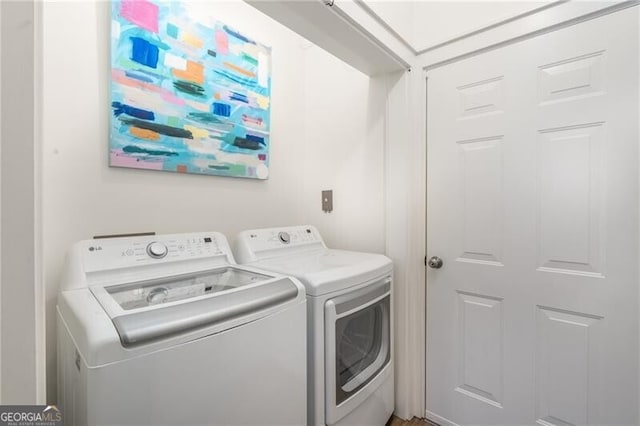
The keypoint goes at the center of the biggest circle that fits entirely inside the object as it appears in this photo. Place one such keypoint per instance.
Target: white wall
(344, 131)
(0, 207)
(21, 360)
(84, 197)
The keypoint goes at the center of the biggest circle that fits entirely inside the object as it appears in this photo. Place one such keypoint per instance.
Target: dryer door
(357, 345)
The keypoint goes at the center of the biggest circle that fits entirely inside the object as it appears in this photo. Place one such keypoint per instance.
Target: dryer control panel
(257, 244)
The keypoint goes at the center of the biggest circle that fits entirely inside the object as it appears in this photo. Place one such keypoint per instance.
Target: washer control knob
(284, 237)
(157, 250)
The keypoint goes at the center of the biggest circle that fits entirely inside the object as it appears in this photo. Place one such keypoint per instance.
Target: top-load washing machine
(167, 330)
(350, 343)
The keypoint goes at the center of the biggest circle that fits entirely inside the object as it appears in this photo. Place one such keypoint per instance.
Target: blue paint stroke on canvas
(188, 94)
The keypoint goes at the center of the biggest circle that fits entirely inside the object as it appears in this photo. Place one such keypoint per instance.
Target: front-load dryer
(168, 330)
(350, 338)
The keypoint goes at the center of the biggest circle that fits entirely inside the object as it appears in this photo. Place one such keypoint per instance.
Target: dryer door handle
(362, 298)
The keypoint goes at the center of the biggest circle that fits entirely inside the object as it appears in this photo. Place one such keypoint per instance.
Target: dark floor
(396, 421)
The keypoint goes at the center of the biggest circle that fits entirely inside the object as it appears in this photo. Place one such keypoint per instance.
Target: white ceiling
(424, 24)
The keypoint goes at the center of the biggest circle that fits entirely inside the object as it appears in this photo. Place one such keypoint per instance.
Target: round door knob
(157, 250)
(435, 262)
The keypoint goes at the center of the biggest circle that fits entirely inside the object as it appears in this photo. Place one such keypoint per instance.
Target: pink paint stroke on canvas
(119, 159)
(222, 42)
(141, 12)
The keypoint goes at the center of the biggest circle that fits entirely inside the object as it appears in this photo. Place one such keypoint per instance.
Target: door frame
(22, 335)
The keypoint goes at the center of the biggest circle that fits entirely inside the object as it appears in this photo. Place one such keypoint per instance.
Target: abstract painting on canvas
(188, 93)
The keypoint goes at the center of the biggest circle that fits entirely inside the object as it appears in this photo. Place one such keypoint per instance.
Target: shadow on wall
(345, 133)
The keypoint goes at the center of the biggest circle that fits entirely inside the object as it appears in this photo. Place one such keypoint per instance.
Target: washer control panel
(112, 253)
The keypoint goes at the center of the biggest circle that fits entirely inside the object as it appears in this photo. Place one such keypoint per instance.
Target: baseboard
(433, 417)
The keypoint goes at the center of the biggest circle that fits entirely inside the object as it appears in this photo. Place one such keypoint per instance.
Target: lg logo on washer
(96, 248)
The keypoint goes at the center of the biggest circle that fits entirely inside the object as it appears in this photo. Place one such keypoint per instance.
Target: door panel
(481, 332)
(570, 200)
(481, 190)
(568, 357)
(533, 207)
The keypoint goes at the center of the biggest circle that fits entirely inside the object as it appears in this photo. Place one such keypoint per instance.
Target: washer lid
(150, 310)
(326, 270)
(171, 289)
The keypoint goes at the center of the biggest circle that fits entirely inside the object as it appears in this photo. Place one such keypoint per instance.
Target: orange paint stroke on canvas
(239, 69)
(192, 41)
(144, 133)
(193, 73)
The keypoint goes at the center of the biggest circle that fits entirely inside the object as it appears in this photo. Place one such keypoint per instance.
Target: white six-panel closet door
(533, 207)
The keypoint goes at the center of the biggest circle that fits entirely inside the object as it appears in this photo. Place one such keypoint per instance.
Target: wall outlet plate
(327, 201)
